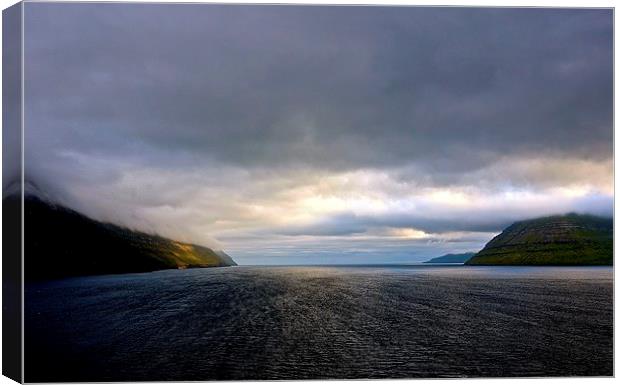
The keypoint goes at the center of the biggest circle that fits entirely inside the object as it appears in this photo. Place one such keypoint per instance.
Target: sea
(321, 322)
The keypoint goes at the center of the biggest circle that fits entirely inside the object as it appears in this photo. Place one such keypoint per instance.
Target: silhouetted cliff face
(60, 242)
(570, 239)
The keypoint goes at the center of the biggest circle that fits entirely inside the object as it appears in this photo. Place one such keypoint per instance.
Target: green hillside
(570, 239)
(60, 242)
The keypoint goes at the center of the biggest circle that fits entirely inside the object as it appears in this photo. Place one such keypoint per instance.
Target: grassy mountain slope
(570, 239)
(61, 242)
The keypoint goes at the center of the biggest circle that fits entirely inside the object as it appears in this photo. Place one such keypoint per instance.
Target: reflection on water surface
(322, 322)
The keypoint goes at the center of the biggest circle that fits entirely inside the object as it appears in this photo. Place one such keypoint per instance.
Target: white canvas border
(481, 3)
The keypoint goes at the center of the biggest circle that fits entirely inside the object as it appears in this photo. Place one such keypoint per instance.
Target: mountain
(60, 242)
(451, 258)
(570, 239)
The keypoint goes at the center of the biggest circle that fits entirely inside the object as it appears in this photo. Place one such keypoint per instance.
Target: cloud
(330, 87)
(215, 122)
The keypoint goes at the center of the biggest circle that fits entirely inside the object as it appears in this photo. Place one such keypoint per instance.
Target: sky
(312, 134)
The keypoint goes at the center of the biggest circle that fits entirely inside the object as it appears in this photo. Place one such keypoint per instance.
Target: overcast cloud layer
(288, 134)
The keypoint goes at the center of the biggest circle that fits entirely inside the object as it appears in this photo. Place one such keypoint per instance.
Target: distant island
(452, 258)
(570, 239)
(60, 242)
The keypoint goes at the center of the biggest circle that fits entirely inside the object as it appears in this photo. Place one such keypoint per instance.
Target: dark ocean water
(321, 322)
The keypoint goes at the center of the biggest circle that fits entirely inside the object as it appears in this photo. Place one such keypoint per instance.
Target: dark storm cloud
(330, 87)
(291, 127)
